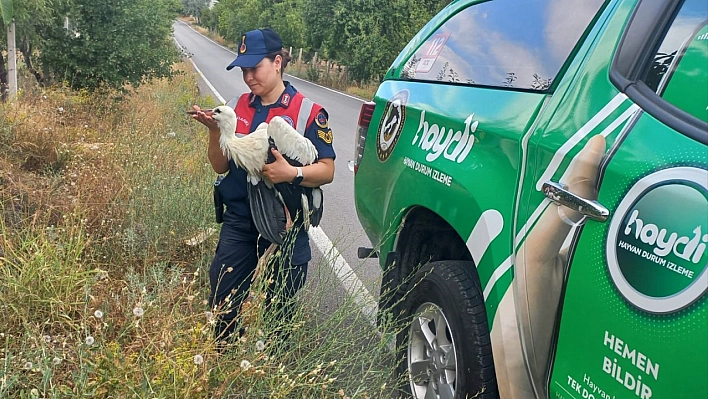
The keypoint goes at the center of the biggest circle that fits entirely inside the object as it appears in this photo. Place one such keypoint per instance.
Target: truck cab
(534, 177)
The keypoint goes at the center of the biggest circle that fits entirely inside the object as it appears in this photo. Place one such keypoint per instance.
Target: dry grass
(99, 294)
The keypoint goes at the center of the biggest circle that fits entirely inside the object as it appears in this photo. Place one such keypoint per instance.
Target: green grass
(100, 295)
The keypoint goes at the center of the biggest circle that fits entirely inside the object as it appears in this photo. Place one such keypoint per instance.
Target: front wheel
(446, 349)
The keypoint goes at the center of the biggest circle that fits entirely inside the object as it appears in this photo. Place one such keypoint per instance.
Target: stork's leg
(263, 261)
(305, 211)
(288, 219)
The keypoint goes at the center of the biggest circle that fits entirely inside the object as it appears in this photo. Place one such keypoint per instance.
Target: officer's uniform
(239, 245)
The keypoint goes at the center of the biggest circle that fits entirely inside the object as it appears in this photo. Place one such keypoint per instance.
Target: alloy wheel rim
(432, 359)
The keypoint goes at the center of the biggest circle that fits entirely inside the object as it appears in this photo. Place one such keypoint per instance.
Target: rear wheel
(446, 348)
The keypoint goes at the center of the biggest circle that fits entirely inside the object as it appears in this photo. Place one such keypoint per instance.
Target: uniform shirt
(250, 113)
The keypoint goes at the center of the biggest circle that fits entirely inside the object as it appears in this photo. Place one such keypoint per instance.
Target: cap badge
(242, 48)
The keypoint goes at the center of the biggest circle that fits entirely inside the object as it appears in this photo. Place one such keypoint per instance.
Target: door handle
(558, 193)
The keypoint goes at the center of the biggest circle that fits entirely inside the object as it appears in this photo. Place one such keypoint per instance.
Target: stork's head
(225, 117)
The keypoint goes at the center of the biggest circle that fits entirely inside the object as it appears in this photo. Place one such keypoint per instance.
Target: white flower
(260, 345)
(198, 359)
(98, 314)
(171, 134)
(47, 338)
(89, 340)
(56, 361)
(245, 364)
(209, 316)
(138, 311)
(61, 110)
(27, 366)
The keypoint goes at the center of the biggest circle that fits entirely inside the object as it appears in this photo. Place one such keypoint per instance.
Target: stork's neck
(228, 131)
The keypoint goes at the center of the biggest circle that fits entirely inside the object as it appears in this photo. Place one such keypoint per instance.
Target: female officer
(262, 60)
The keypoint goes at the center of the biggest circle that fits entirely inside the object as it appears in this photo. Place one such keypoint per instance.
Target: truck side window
(515, 44)
(678, 70)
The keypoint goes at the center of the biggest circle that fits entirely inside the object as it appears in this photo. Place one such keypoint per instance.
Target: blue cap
(255, 45)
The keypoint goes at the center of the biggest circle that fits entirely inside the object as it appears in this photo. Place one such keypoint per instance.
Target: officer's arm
(218, 160)
(318, 174)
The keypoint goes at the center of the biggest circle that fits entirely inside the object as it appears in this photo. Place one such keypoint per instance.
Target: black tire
(456, 362)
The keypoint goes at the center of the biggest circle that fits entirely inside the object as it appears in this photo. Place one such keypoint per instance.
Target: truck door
(611, 262)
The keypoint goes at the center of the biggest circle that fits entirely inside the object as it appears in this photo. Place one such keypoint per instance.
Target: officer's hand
(203, 116)
(279, 171)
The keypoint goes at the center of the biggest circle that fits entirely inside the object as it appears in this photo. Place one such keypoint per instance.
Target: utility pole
(11, 60)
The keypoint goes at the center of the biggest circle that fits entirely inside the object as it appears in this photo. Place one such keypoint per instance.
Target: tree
(195, 8)
(112, 43)
(6, 15)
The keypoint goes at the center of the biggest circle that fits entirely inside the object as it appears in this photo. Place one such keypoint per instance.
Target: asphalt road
(340, 223)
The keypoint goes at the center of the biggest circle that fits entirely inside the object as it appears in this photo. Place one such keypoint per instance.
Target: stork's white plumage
(248, 152)
(251, 152)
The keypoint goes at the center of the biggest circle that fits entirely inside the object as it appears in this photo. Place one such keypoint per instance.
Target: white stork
(251, 152)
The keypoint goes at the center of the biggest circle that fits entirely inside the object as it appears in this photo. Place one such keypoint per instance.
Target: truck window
(505, 43)
(678, 68)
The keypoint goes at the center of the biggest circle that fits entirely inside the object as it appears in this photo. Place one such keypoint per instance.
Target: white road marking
(199, 71)
(341, 268)
(345, 274)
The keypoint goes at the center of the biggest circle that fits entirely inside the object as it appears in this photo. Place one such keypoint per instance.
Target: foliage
(6, 11)
(106, 44)
(100, 292)
(195, 8)
(350, 32)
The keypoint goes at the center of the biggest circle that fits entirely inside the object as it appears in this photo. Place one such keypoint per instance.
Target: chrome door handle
(558, 193)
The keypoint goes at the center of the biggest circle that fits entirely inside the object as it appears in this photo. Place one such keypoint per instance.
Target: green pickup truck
(534, 177)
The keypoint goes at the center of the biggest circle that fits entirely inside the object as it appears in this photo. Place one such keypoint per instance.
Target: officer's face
(264, 77)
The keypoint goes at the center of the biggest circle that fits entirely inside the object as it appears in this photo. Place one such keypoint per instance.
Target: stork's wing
(315, 198)
(291, 143)
(268, 213)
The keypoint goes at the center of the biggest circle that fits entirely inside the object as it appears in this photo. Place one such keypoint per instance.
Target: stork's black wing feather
(268, 213)
(267, 208)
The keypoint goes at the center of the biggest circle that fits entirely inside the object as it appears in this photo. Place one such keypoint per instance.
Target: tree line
(94, 44)
(364, 35)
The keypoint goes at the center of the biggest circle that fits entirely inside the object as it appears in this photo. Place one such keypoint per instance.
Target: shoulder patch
(325, 135)
(288, 119)
(321, 120)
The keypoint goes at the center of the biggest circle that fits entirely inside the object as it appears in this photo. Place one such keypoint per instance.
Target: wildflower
(98, 314)
(245, 364)
(230, 269)
(27, 366)
(138, 311)
(171, 134)
(260, 345)
(47, 338)
(89, 340)
(209, 316)
(61, 110)
(56, 361)
(198, 359)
